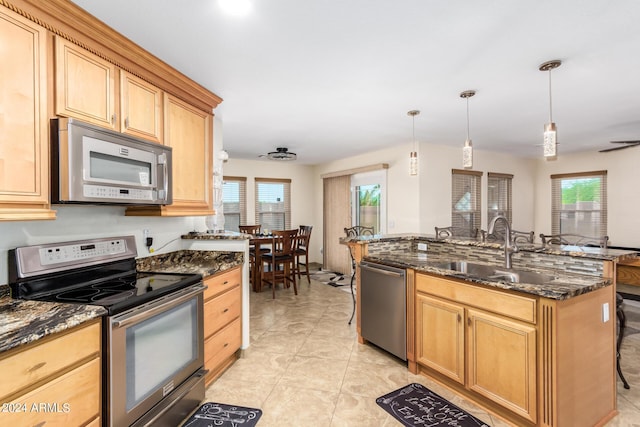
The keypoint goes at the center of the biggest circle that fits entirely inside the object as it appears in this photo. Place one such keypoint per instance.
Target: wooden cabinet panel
(502, 362)
(24, 144)
(221, 310)
(222, 282)
(140, 108)
(24, 367)
(440, 336)
(188, 132)
(516, 306)
(73, 399)
(222, 346)
(85, 85)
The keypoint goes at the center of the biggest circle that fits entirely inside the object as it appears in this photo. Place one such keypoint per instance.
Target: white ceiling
(335, 78)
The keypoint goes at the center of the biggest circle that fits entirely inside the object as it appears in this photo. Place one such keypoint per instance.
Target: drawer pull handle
(225, 310)
(225, 282)
(38, 366)
(226, 344)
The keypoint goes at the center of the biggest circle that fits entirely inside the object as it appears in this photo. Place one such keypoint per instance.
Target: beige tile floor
(305, 367)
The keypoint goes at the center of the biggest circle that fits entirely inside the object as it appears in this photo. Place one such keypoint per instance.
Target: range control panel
(65, 253)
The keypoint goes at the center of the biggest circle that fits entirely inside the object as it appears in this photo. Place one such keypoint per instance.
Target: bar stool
(622, 323)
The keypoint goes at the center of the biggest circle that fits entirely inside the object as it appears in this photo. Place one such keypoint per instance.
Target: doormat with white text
(221, 415)
(417, 406)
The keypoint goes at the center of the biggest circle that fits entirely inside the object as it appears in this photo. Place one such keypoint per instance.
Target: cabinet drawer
(222, 282)
(221, 310)
(222, 345)
(72, 399)
(25, 367)
(515, 306)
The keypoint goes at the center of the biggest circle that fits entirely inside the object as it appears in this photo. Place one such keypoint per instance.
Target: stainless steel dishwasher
(383, 311)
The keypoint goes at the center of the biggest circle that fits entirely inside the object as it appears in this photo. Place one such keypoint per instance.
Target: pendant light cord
(467, 118)
(550, 103)
(413, 118)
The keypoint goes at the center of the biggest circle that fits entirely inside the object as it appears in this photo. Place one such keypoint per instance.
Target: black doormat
(417, 406)
(220, 415)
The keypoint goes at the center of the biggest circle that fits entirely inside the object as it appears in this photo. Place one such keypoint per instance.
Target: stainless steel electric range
(152, 344)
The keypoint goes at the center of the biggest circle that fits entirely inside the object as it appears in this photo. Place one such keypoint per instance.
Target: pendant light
(413, 157)
(467, 150)
(550, 131)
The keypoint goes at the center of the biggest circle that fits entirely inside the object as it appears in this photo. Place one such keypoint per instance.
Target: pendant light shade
(549, 141)
(467, 149)
(413, 156)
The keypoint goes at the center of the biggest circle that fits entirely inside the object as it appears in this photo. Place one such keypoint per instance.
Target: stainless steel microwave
(92, 165)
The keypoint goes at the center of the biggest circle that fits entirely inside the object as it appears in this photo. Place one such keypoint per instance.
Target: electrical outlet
(605, 312)
(422, 246)
(145, 233)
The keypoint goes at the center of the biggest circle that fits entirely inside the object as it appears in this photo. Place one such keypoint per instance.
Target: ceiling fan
(627, 144)
(281, 153)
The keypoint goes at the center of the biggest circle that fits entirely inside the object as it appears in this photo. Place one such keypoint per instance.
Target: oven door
(152, 350)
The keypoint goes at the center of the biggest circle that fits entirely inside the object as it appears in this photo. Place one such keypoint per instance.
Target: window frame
(286, 203)
(504, 199)
(557, 208)
(242, 202)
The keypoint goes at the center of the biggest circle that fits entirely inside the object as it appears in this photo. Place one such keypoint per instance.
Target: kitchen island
(534, 344)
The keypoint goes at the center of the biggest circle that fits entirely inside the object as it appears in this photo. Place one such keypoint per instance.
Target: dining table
(257, 241)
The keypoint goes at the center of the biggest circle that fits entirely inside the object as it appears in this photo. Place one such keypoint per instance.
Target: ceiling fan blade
(620, 148)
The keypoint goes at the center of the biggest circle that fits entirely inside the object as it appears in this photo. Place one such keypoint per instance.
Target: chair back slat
(452, 231)
(304, 236)
(250, 229)
(284, 242)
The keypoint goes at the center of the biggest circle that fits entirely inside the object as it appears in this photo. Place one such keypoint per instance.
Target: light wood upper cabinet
(140, 108)
(85, 85)
(24, 145)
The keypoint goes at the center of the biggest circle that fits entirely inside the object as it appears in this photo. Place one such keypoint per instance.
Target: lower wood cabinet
(222, 321)
(55, 381)
(488, 353)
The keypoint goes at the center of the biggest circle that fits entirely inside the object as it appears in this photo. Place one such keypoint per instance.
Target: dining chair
(280, 260)
(516, 236)
(355, 231)
(302, 250)
(254, 265)
(574, 240)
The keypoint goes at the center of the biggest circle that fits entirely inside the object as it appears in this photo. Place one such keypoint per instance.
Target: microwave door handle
(165, 169)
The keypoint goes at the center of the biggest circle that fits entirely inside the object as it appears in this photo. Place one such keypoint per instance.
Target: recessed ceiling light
(236, 7)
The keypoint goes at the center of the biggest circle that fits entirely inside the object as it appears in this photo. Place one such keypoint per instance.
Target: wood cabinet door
(24, 143)
(188, 133)
(85, 85)
(440, 336)
(140, 108)
(502, 361)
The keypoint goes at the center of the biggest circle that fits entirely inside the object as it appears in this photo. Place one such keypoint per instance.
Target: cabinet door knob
(126, 123)
(459, 318)
(113, 119)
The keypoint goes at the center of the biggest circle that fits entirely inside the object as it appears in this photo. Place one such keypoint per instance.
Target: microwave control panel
(116, 193)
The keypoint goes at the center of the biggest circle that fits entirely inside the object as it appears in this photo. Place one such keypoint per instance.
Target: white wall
(623, 203)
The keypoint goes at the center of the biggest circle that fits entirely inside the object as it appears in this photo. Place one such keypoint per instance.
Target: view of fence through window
(581, 206)
(368, 206)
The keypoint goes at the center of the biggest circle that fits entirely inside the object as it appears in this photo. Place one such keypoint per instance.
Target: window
(579, 203)
(465, 199)
(273, 203)
(234, 202)
(499, 198)
(368, 196)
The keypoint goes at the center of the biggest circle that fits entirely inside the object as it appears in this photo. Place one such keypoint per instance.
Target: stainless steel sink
(490, 272)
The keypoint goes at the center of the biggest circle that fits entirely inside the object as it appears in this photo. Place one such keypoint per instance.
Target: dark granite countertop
(562, 250)
(206, 263)
(22, 322)
(564, 286)
(225, 235)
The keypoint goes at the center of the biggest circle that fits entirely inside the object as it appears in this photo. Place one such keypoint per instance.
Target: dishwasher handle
(382, 269)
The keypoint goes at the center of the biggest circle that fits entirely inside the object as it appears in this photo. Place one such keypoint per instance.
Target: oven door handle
(155, 309)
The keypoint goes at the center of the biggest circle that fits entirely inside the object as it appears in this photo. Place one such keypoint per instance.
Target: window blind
(465, 199)
(499, 198)
(579, 203)
(273, 203)
(234, 202)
